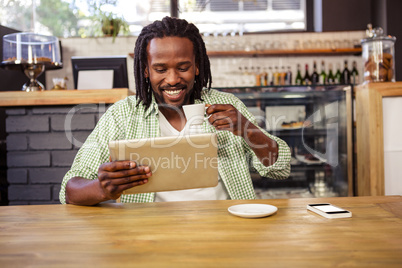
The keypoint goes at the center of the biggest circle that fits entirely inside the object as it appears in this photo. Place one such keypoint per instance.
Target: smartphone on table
(329, 211)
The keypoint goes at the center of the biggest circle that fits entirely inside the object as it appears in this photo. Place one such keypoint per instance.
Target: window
(210, 16)
(245, 15)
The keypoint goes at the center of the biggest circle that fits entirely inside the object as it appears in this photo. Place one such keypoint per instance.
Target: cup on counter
(297, 45)
(327, 44)
(346, 43)
(59, 83)
(258, 46)
(276, 45)
(336, 44)
(318, 44)
(307, 44)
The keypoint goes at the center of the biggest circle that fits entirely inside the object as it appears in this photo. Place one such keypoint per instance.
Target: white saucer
(252, 210)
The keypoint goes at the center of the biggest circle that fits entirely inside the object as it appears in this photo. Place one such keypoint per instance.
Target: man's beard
(161, 101)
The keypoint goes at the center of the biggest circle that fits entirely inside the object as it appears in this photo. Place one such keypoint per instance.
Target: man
(171, 70)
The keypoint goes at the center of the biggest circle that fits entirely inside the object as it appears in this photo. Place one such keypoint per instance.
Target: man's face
(171, 70)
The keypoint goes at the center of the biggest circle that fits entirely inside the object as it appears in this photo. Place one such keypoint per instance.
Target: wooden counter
(202, 234)
(62, 97)
(370, 135)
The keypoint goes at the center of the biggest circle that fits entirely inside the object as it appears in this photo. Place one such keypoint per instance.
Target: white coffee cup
(194, 113)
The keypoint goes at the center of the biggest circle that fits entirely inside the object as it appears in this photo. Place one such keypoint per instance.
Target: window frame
(308, 18)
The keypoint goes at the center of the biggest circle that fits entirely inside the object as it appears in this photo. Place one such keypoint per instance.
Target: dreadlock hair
(175, 27)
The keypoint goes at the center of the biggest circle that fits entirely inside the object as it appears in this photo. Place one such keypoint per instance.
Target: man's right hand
(118, 176)
(113, 178)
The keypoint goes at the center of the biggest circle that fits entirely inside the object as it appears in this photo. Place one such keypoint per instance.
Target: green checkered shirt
(126, 120)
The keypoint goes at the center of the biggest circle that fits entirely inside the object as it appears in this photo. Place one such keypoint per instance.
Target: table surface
(202, 234)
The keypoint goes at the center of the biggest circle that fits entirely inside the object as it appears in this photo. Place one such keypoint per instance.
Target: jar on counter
(378, 57)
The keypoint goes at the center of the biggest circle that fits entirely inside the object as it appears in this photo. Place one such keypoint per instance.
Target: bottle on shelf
(323, 74)
(245, 70)
(264, 77)
(248, 77)
(306, 78)
(282, 76)
(252, 70)
(257, 75)
(241, 76)
(331, 77)
(270, 76)
(354, 75)
(314, 76)
(345, 78)
(338, 74)
(299, 79)
(288, 76)
(276, 76)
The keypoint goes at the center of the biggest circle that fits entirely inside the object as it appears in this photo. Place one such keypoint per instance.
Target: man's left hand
(227, 117)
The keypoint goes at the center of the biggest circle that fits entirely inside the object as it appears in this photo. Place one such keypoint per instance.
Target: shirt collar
(153, 107)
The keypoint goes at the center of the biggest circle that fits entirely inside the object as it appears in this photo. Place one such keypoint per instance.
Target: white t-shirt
(218, 192)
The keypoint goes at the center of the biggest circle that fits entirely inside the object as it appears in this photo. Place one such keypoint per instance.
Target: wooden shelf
(62, 97)
(283, 52)
(286, 52)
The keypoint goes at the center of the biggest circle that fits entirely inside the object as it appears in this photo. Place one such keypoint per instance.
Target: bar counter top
(62, 97)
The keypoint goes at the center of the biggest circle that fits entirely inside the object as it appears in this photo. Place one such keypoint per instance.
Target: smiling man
(172, 69)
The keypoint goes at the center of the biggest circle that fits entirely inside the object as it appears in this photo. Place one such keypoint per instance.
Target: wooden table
(202, 234)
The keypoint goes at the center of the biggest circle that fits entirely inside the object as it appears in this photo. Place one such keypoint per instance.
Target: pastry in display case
(32, 54)
(316, 123)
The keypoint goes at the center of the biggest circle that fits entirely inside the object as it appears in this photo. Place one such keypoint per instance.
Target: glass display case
(317, 124)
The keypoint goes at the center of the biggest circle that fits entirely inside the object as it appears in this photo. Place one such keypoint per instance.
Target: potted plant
(111, 25)
(103, 21)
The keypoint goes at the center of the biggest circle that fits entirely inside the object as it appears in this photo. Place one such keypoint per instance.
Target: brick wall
(41, 145)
